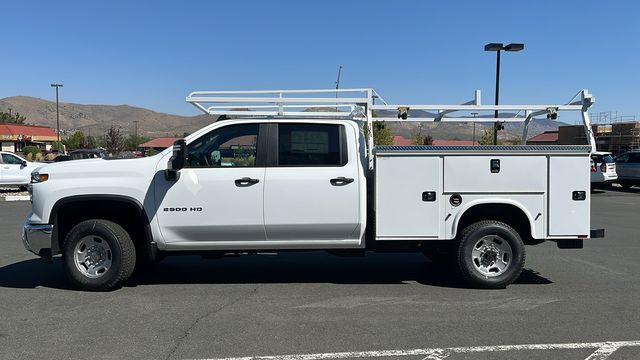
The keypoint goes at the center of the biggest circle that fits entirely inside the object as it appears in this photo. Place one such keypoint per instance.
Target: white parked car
(14, 170)
(603, 169)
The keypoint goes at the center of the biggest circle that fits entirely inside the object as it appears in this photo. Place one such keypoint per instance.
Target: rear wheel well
(506, 213)
(125, 213)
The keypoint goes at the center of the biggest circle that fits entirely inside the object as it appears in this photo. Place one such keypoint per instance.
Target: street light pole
(497, 123)
(57, 110)
(498, 47)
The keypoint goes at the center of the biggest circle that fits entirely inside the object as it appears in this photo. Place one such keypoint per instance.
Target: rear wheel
(490, 255)
(98, 255)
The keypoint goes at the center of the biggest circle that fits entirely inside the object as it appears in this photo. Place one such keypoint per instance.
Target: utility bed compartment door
(474, 174)
(569, 216)
(408, 195)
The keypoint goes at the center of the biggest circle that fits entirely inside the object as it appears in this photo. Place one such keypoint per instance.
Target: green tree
(114, 140)
(57, 145)
(487, 137)
(12, 118)
(77, 140)
(132, 142)
(515, 141)
(381, 133)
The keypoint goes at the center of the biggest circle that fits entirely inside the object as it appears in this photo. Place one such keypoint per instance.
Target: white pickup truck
(276, 179)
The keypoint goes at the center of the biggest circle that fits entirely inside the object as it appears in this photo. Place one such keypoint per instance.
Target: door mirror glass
(179, 157)
(177, 161)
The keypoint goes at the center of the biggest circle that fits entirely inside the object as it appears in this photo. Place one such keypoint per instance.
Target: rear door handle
(341, 181)
(246, 181)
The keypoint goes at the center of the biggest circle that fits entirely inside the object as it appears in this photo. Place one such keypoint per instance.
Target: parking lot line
(602, 352)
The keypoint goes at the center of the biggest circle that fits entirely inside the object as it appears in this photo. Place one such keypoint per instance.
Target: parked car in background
(603, 169)
(14, 170)
(628, 168)
(88, 154)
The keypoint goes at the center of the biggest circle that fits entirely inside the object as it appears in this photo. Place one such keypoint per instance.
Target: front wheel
(490, 255)
(98, 255)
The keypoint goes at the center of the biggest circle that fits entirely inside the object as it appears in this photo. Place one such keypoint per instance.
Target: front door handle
(246, 181)
(341, 181)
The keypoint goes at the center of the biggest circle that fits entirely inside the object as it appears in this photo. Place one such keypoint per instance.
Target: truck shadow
(264, 269)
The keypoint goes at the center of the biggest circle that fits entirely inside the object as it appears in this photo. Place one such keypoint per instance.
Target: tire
(98, 255)
(491, 255)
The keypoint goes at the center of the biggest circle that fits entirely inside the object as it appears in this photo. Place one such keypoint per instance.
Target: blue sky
(153, 53)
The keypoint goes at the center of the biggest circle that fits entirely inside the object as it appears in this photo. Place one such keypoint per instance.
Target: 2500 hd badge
(182, 209)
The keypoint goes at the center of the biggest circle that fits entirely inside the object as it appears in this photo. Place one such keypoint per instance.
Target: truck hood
(100, 168)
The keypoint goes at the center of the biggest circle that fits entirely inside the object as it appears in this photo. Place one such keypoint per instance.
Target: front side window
(311, 145)
(11, 160)
(229, 146)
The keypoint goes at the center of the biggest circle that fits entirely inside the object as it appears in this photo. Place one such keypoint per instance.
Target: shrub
(30, 150)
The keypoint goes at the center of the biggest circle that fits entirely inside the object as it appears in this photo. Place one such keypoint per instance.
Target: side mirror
(24, 163)
(178, 160)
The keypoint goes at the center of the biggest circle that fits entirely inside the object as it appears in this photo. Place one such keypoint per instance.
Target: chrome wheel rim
(491, 256)
(93, 256)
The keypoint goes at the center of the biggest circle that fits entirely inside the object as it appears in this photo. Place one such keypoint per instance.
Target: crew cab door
(312, 188)
(219, 194)
(13, 171)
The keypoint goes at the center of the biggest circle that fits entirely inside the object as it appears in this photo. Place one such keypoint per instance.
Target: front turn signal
(38, 178)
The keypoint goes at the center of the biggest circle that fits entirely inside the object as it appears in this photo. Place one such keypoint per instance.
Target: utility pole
(135, 122)
(10, 112)
(474, 127)
(338, 83)
(57, 109)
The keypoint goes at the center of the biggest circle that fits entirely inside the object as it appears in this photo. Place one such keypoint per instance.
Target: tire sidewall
(465, 259)
(88, 228)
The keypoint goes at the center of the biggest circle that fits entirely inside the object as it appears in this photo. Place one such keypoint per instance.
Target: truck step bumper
(37, 239)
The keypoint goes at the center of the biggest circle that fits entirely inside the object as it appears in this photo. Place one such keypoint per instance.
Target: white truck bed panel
(540, 180)
(401, 211)
(568, 217)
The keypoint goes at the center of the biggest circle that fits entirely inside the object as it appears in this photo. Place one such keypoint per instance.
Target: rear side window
(634, 158)
(604, 159)
(311, 145)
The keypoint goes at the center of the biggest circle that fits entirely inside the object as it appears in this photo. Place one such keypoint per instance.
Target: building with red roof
(159, 144)
(14, 137)
(546, 138)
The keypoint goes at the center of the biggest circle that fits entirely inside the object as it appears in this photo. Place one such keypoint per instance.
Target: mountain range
(96, 119)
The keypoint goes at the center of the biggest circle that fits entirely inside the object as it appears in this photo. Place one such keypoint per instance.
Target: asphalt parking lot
(387, 306)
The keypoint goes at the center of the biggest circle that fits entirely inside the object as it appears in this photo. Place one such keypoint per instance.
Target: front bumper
(37, 239)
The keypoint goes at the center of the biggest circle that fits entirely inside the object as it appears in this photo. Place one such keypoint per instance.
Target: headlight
(36, 177)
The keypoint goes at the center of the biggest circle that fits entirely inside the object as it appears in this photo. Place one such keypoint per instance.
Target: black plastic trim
(597, 233)
(120, 198)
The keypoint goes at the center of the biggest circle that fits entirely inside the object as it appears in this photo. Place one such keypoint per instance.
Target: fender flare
(491, 201)
(110, 197)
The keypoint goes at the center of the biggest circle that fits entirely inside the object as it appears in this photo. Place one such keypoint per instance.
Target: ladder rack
(360, 105)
